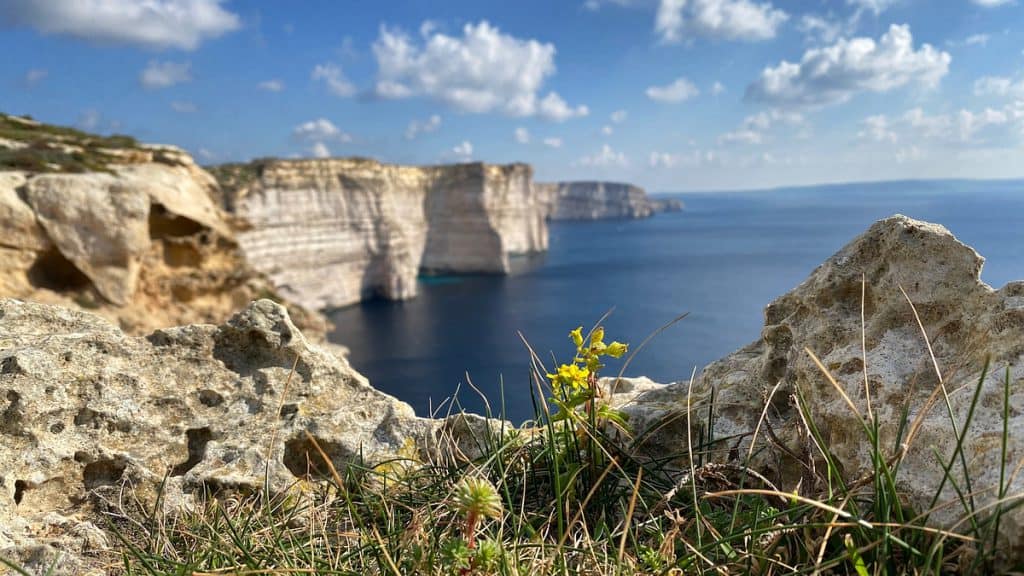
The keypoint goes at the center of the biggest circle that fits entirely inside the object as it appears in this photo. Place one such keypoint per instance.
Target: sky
(672, 95)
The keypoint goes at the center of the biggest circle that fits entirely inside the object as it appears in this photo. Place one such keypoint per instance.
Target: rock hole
(103, 472)
(20, 486)
(288, 411)
(198, 438)
(57, 428)
(52, 271)
(87, 417)
(210, 398)
(163, 224)
(304, 461)
(11, 417)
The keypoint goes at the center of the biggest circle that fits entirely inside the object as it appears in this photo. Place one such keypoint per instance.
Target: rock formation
(332, 232)
(88, 410)
(128, 230)
(966, 321)
(600, 200)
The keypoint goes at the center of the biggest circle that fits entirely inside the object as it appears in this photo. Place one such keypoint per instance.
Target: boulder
(966, 322)
(88, 410)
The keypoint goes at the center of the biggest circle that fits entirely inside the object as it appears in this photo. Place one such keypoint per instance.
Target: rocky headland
(601, 200)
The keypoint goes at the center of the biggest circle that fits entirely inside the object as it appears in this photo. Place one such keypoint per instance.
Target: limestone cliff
(128, 230)
(331, 232)
(600, 200)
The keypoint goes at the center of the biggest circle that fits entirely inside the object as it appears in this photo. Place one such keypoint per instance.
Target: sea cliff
(332, 232)
(600, 200)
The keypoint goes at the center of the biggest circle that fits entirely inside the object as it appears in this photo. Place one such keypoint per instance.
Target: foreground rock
(966, 321)
(127, 230)
(601, 200)
(87, 411)
(332, 232)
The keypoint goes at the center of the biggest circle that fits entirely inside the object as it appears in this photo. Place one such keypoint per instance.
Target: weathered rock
(87, 410)
(966, 322)
(659, 205)
(595, 200)
(139, 239)
(335, 231)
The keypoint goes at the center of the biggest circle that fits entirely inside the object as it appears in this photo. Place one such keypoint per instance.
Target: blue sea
(721, 260)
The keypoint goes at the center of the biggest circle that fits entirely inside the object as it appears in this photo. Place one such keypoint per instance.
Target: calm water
(722, 260)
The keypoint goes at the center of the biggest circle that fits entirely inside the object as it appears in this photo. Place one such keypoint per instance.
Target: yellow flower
(569, 376)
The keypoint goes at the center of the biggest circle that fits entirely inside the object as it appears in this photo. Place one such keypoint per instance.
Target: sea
(462, 343)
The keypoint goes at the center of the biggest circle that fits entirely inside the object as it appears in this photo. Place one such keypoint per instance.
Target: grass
(567, 495)
(45, 150)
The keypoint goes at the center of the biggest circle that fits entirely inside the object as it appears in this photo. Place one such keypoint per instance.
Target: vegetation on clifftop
(26, 144)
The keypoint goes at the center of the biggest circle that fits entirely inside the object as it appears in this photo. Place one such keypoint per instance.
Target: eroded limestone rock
(966, 321)
(87, 410)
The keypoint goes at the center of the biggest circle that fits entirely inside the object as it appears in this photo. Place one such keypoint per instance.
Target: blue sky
(669, 94)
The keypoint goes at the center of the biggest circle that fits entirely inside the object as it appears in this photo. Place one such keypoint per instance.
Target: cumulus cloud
(724, 19)
(678, 91)
(875, 6)
(553, 142)
(607, 130)
(595, 5)
(317, 133)
(427, 126)
(182, 24)
(717, 88)
(183, 107)
(692, 158)
(163, 74)
(271, 85)
(522, 135)
(998, 86)
(821, 29)
(605, 158)
(464, 150)
(991, 3)
(754, 127)
(334, 78)
(483, 70)
(976, 40)
(835, 73)
(619, 116)
(877, 128)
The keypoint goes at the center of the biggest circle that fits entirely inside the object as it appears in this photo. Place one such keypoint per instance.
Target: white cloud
(605, 158)
(163, 74)
(317, 133)
(35, 76)
(977, 40)
(483, 70)
(416, 127)
(678, 91)
(875, 6)
(274, 85)
(553, 142)
(464, 150)
(183, 107)
(319, 150)
(820, 29)
(755, 126)
(182, 24)
(725, 19)
(607, 130)
(334, 78)
(835, 73)
(991, 3)
(717, 88)
(206, 154)
(741, 136)
(595, 5)
(877, 128)
(998, 86)
(522, 135)
(693, 158)
(619, 116)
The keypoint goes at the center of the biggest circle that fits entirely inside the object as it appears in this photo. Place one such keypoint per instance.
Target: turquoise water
(722, 260)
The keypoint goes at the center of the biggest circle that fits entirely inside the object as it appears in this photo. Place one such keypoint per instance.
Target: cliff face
(128, 230)
(333, 232)
(595, 200)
